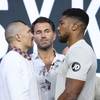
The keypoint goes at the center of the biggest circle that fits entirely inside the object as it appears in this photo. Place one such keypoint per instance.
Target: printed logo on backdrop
(30, 8)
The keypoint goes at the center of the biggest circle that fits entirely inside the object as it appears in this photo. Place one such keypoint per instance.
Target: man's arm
(72, 89)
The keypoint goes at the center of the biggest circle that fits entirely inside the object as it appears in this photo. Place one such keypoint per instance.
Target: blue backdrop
(29, 10)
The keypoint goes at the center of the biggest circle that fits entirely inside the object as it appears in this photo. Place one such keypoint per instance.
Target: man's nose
(43, 34)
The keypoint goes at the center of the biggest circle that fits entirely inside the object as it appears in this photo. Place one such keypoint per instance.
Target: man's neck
(47, 57)
(46, 53)
(73, 40)
(19, 46)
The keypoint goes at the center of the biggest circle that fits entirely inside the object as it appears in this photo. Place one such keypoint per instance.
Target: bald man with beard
(17, 80)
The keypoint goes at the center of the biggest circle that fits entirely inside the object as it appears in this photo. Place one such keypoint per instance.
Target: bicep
(72, 90)
(74, 86)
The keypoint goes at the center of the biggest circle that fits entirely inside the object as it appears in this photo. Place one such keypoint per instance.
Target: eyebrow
(43, 30)
(46, 29)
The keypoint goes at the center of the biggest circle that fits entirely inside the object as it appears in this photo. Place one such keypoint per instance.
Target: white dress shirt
(46, 79)
(17, 80)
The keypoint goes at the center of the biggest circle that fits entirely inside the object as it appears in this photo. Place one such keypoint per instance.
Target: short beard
(63, 39)
(44, 48)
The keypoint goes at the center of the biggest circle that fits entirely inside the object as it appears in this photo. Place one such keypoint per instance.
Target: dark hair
(78, 14)
(42, 20)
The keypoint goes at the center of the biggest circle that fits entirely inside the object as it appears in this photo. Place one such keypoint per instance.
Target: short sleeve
(78, 66)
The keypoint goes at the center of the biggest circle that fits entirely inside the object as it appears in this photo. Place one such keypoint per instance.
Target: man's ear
(18, 37)
(74, 26)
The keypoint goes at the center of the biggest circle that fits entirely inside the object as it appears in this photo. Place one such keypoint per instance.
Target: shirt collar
(24, 54)
(36, 56)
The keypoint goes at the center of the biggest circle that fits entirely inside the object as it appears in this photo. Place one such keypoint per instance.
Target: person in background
(77, 74)
(17, 79)
(47, 60)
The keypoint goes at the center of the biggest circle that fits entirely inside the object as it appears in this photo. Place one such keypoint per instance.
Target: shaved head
(13, 28)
